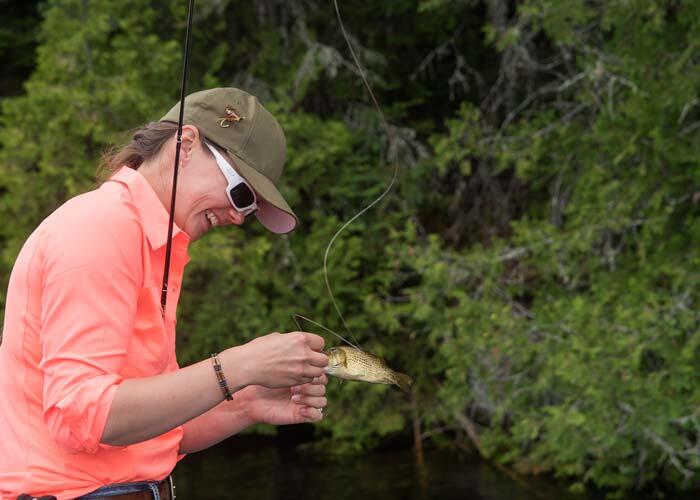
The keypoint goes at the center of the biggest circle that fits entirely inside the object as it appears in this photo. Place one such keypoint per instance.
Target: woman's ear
(190, 137)
(236, 217)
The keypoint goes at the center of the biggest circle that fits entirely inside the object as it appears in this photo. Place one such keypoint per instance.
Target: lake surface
(248, 467)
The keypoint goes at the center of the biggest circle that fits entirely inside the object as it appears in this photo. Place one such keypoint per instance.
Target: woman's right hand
(276, 360)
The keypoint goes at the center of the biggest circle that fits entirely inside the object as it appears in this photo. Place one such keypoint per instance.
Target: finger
(322, 380)
(311, 372)
(314, 341)
(314, 401)
(311, 415)
(311, 390)
(318, 359)
(302, 380)
(316, 381)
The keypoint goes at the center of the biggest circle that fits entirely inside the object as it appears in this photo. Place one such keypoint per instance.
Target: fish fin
(403, 381)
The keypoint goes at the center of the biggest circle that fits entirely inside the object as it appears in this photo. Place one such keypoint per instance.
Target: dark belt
(166, 490)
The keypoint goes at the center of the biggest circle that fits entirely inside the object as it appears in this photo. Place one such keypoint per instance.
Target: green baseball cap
(236, 122)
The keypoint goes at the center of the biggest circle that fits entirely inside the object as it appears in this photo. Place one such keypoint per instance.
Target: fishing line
(296, 320)
(394, 159)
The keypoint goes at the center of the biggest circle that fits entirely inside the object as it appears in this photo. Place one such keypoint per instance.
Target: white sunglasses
(239, 192)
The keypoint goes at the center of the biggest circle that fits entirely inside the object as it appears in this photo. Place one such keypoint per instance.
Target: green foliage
(581, 334)
(535, 268)
(17, 43)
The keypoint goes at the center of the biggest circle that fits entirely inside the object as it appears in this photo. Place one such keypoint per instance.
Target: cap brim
(273, 211)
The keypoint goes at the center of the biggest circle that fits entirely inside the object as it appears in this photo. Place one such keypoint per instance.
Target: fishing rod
(178, 146)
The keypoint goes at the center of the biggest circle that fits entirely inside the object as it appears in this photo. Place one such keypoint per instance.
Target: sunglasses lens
(242, 196)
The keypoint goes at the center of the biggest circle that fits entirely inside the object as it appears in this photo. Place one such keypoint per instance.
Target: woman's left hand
(256, 404)
(288, 405)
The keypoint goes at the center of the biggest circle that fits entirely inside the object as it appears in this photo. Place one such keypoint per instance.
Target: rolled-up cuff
(77, 421)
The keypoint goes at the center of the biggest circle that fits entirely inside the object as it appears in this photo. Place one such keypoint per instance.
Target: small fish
(352, 364)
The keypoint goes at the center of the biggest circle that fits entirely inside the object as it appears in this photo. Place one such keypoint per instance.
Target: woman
(94, 404)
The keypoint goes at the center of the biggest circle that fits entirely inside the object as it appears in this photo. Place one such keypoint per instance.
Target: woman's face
(202, 203)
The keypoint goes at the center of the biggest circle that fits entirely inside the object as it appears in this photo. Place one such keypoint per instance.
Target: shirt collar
(153, 214)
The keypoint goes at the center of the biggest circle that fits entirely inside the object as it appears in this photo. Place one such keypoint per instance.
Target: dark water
(257, 468)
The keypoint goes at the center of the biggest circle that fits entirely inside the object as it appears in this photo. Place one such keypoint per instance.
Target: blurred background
(535, 269)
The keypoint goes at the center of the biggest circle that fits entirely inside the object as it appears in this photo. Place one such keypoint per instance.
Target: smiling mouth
(212, 218)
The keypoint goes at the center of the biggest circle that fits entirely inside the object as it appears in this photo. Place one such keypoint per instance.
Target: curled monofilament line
(390, 135)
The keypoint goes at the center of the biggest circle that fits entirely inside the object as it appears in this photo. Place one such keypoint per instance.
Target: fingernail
(296, 398)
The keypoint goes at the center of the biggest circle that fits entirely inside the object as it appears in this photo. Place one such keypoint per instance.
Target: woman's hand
(256, 404)
(276, 360)
(292, 405)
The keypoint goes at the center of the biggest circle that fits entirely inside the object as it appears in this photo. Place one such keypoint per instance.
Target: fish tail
(403, 381)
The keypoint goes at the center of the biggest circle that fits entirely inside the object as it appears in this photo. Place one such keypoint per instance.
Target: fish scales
(352, 364)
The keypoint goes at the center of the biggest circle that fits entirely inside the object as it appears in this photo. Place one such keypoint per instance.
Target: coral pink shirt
(82, 314)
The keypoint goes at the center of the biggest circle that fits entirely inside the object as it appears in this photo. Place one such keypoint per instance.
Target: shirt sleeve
(92, 278)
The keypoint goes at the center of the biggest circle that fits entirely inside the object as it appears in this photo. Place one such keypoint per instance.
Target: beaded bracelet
(221, 378)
